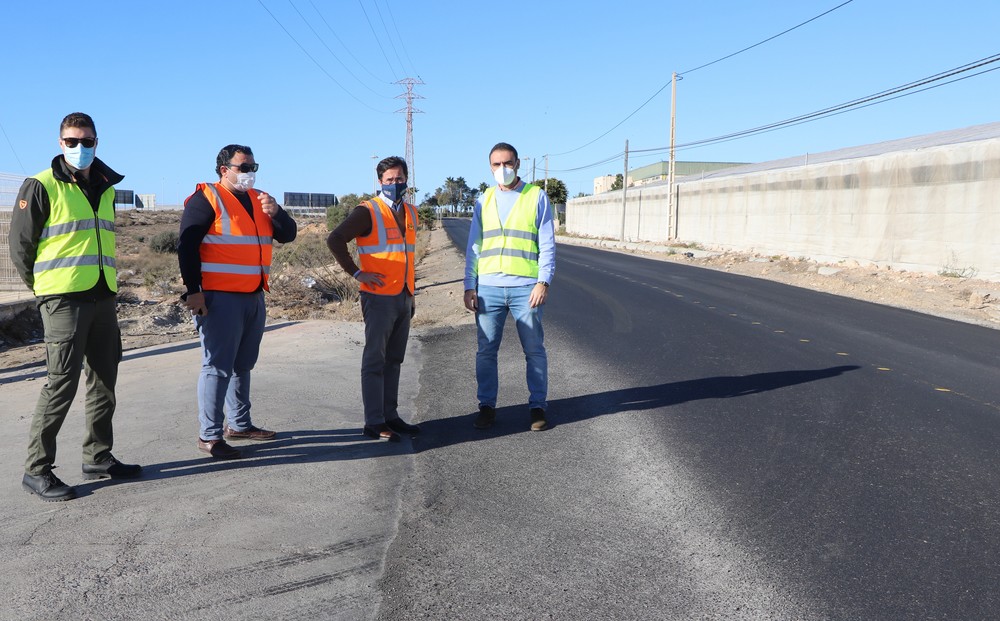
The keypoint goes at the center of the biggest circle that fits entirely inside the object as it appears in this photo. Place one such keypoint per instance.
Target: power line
(765, 40)
(392, 19)
(850, 105)
(337, 58)
(839, 112)
(12, 150)
(661, 89)
(911, 88)
(604, 161)
(378, 40)
(348, 49)
(616, 126)
(321, 68)
(392, 39)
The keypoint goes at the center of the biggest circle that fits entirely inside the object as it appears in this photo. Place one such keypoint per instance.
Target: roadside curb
(635, 246)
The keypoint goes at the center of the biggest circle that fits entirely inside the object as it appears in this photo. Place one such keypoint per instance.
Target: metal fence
(9, 280)
(9, 185)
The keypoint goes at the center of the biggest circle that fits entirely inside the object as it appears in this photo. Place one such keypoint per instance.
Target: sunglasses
(86, 142)
(245, 167)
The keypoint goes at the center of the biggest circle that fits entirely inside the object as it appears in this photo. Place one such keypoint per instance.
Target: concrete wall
(931, 210)
(601, 215)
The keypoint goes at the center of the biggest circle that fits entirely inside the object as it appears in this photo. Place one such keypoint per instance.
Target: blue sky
(169, 83)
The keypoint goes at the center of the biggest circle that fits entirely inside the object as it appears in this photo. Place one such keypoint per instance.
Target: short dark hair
(227, 153)
(393, 161)
(77, 119)
(504, 146)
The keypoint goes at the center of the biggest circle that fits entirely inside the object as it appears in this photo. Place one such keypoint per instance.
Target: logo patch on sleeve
(23, 204)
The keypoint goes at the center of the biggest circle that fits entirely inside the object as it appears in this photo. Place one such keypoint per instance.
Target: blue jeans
(230, 342)
(494, 305)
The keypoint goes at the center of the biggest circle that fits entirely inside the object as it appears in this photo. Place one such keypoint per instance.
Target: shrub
(165, 242)
(336, 214)
(426, 215)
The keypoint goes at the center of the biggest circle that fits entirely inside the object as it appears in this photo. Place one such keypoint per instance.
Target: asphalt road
(722, 448)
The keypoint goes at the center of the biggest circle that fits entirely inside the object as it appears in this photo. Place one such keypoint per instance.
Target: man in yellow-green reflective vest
(62, 242)
(509, 263)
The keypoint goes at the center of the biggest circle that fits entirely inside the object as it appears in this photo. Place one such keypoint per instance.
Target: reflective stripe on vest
(76, 244)
(236, 252)
(510, 247)
(385, 251)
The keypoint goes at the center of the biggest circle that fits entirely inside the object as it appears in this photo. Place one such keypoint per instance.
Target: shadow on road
(294, 447)
(514, 419)
(330, 445)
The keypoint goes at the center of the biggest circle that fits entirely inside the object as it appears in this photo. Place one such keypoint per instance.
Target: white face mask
(504, 175)
(244, 181)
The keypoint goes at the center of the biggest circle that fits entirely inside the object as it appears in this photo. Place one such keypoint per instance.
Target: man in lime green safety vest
(509, 263)
(62, 242)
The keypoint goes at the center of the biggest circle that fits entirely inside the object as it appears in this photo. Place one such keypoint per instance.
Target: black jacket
(31, 212)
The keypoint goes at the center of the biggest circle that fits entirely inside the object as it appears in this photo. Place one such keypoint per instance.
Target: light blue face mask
(80, 157)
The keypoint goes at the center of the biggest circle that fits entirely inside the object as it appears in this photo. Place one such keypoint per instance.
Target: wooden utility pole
(624, 189)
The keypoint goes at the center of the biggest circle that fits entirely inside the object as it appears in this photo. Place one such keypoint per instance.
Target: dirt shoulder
(952, 296)
(310, 286)
(307, 285)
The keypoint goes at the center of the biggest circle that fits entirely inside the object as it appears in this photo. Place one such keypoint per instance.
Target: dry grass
(306, 281)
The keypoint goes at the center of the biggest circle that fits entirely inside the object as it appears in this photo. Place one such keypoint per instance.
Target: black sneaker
(400, 426)
(111, 468)
(486, 417)
(538, 422)
(48, 487)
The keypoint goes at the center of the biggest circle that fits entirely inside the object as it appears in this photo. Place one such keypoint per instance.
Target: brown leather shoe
(218, 449)
(381, 432)
(250, 433)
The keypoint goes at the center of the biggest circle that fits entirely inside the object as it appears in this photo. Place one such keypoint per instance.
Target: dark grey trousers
(76, 331)
(387, 327)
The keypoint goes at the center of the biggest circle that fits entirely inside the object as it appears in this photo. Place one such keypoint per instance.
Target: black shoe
(400, 426)
(48, 487)
(486, 417)
(538, 422)
(111, 468)
(381, 432)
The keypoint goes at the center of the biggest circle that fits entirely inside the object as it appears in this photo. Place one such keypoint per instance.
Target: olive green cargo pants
(76, 331)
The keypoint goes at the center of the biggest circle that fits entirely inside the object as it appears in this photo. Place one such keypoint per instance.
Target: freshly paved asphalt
(721, 448)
